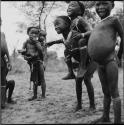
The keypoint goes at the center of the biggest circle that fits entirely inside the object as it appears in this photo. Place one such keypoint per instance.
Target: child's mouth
(69, 12)
(102, 11)
(57, 29)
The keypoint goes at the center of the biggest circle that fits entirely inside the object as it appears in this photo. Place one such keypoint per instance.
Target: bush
(52, 65)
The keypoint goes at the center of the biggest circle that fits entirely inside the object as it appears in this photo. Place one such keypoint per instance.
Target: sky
(11, 15)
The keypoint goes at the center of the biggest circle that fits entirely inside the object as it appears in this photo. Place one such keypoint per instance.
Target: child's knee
(106, 91)
(87, 80)
(43, 83)
(79, 80)
(114, 93)
(11, 83)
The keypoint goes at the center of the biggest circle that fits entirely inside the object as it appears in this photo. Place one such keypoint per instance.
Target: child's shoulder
(81, 19)
(26, 42)
(113, 18)
(82, 22)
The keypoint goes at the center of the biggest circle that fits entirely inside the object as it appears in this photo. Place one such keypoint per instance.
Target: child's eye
(97, 4)
(104, 3)
(57, 23)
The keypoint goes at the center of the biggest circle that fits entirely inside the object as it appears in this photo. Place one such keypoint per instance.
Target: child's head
(103, 8)
(42, 35)
(62, 23)
(33, 33)
(75, 8)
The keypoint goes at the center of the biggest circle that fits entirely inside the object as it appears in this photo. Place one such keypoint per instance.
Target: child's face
(103, 8)
(73, 9)
(42, 38)
(33, 34)
(60, 25)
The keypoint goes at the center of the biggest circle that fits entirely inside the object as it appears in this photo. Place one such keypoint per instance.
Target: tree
(36, 12)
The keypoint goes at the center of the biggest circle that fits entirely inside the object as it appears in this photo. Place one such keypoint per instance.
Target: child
(101, 48)
(34, 56)
(75, 11)
(10, 84)
(42, 38)
(4, 67)
(87, 67)
(62, 26)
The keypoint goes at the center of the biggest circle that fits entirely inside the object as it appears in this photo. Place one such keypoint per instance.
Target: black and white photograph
(62, 62)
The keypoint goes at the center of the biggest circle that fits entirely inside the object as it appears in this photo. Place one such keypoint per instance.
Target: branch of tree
(43, 5)
(47, 15)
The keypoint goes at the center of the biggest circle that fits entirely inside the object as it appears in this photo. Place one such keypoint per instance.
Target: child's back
(78, 26)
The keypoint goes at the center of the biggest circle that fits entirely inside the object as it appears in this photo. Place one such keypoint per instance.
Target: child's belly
(100, 45)
(31, 50)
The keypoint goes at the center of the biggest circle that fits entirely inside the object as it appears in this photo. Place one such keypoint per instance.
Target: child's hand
(9, 66)
(82, 35)
(46, 45)
(26, 58)
(119, 62)
(22, 51)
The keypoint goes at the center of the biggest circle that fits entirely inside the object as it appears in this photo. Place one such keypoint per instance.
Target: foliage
(52, 55)
(53, 65)
(35, 9)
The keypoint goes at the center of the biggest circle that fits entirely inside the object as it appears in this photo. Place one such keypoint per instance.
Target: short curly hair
(29, 28)
(82, 7)
(66, 19)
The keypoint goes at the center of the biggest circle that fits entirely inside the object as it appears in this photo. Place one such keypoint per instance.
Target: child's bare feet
(78, 107)
(101, 120)
(32, 98)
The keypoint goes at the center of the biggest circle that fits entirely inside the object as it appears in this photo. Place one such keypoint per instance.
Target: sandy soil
(60, 102)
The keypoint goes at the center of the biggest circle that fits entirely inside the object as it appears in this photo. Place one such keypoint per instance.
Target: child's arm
(38, 47)
(83, 25)
(120, 31)
(24, 45)
(54, 42)
(86, 27)
(6, 50)
(86, 34)
(23, 50)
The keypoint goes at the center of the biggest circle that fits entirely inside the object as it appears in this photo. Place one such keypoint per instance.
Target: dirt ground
(60, 102)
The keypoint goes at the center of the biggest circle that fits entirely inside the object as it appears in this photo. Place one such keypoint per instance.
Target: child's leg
(90, 90)
(42, 79)
(34, 92)
(107, 96)
(3, 87)
(83, 58)
(112, 78)
(79, 93)
(68, 61)
(10, 86)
